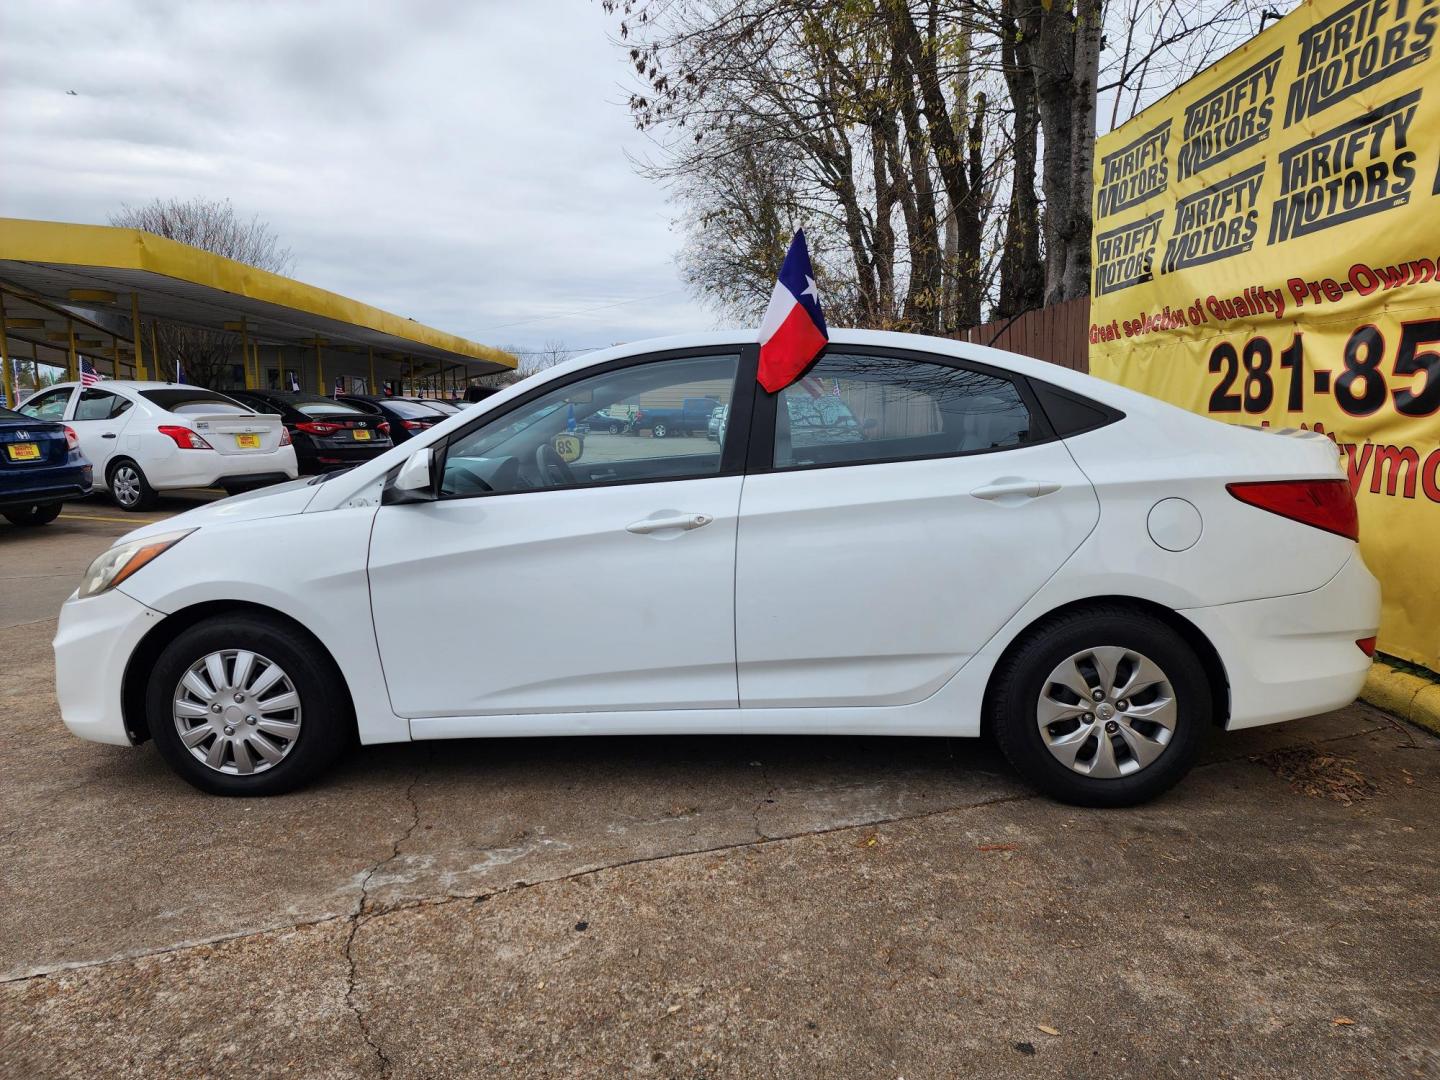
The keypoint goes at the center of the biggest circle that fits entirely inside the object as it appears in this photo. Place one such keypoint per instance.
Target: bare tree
(892, 130)
(212, 225)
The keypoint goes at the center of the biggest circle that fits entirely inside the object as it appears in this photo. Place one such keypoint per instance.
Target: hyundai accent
(980, 543)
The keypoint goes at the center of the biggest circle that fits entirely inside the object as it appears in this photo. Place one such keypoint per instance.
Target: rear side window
(190, 400)
(1071, 414)
(853, 409)
(100, 405)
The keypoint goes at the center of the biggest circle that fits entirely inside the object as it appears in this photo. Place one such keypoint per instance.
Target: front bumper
(93, 644)
(1293, 656)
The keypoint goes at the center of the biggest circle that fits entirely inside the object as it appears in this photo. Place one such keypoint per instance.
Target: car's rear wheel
(614, 429)
(247, 706)
(33, 515)
(1102, 707)
(129, 487)
(658, 431)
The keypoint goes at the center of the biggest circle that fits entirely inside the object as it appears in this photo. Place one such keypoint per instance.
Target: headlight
(122, 560)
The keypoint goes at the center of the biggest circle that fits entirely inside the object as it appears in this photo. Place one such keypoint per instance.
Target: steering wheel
(551, 467)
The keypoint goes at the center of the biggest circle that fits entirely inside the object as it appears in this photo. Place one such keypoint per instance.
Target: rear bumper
(206, 468)
(93, 644)
(1293, 656)
(48, 486)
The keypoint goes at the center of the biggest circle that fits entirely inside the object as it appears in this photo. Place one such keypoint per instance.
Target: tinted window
(48, 406)
(182, 400)
(853, 409)
(1071, 414)
(412, 409)
(540, 444)
(99, 405)
(320, 406)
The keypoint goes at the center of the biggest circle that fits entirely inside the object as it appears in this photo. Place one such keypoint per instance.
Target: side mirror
(415, 481)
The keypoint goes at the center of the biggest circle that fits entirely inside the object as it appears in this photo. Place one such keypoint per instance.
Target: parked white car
(981, 542)
(147, 437)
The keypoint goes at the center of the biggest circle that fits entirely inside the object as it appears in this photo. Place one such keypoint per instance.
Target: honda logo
(22, 434)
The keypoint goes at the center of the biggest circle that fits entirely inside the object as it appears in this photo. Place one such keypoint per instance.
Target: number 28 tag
(569, 447)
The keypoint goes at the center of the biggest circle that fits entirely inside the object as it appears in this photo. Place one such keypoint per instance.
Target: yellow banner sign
(1265, 252)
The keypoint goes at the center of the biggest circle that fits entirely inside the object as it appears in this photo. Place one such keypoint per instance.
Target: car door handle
(1025, 489)
(674, 521)
(108, 435)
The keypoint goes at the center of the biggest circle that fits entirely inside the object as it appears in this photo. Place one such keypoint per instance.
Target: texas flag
(793, 331)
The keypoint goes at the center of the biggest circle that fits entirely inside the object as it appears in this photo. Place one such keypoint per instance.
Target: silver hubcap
(126, 485)
(237, 712)
(1106, 712)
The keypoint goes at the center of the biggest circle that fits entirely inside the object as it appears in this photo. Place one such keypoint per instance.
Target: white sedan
(986, 543)
(147, 437)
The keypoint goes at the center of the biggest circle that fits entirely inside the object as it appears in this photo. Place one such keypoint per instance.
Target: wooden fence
(1059, 333)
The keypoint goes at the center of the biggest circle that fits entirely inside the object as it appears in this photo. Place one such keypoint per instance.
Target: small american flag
(88, 375)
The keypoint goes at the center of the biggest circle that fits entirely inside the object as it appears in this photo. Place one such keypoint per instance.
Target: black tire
(326, 723)
(658, 431)
(129, 487)
(614, 429)
(1023, 677)
(33, 515)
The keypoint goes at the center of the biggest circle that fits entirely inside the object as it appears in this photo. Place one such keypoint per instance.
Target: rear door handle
(674, 521)
(108, 435)
(1025, 489)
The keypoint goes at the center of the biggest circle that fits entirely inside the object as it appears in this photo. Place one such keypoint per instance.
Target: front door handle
(108, 435)
(1015, 486)
(671, 521)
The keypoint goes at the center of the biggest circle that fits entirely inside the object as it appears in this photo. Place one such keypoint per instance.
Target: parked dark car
(604, 421)
(327, 434)
(692, 416)
(41, 466)
(406, 418)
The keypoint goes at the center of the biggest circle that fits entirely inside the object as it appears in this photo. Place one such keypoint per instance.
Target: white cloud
(460, 163)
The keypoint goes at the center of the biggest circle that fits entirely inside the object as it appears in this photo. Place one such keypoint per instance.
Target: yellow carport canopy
(128, 272)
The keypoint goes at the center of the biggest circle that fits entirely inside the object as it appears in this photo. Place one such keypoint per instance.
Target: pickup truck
(692, 416)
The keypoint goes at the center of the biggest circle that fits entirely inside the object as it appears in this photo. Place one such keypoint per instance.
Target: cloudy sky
(462, 163)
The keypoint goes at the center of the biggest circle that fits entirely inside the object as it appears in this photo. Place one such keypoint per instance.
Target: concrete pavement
(715, 907)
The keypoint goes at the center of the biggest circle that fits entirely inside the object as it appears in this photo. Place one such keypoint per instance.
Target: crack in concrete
(363, 913)
(769, 791)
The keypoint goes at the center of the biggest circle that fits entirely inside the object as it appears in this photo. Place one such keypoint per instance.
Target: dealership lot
(702, 906)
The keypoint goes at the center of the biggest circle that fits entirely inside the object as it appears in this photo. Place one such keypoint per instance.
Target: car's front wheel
(1102, 707)
(33, 515)
(247, 706)
(129, 486)
(658, 431)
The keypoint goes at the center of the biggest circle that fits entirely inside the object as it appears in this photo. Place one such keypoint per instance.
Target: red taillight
(72, 441)
(413, 425)
(184, 438)
(1325, 504)
(284, 436)
(1367, 645)
(383, 427)
(316, 427)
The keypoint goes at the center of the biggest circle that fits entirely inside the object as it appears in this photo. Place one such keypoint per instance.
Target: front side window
(48, 406)
(99, 405)
(563, 438)
(852, 409)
